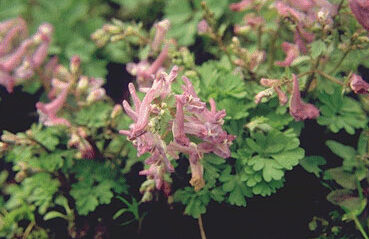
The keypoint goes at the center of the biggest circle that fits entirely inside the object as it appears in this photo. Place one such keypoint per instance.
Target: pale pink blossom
(358, 85)
(240, 6)
(191, 118)
(48, 112)
(203, 27)
(162, 28)
(299, 109)
(360, 9)
(291, 51)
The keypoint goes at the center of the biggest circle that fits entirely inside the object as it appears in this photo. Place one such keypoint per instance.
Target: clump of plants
(220, 88)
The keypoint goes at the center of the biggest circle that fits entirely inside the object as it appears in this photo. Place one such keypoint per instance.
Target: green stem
(311, 77)
(360, 227)
(340, 62)
(331, 78)
(272, 47)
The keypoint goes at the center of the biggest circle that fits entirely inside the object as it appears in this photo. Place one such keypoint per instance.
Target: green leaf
(341, 112)
(53, 214)
(343, 178)
(311, 164)
(317, 48)
(195, 202)
(95, 115)
(343, 151)
(97, 182)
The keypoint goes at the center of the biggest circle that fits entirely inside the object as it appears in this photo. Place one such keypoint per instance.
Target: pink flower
(299, 109)
(79, 140)
(191, 118)
(7, 81)
(292, 52)
(203, 27)
(283, 99)
(358, 85)
(145, 72)
(360, 9)
(48, 112)
(162, 28)
(237, 7)
(12, 30)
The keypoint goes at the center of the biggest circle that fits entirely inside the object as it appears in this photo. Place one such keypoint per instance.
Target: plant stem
(311, 77)
(331, 78)
(273, 41)
(201, 227)
(340, 62)
(260, 33)
(360, 227)
(28, 230)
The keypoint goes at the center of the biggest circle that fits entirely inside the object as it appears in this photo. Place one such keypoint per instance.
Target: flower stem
(331, 78)
(202, 231)
(340, 62)
(360, 227)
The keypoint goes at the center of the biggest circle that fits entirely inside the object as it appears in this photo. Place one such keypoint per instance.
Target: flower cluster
(20, 55)
(163, 123)
(299, 110)
(306, 14)
(144, 70)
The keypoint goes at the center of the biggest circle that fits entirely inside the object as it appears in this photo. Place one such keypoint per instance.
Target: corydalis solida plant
(162, 125)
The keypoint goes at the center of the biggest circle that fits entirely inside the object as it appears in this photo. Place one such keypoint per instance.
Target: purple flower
(19, 57)
(360, 9)
(162, 28)
(358, 85)
(48, 112)
(191, 118)
(237, 7)
(299, 109)
(203, 27)
(145, 72)
(292, 52)
(7, 81)
(283, 99)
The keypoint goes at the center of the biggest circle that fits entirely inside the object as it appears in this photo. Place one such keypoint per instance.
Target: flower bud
(75, 63)
(203, 27)
(96, 95)
(117, 110)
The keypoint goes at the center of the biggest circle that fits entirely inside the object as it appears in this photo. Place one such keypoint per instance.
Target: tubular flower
(162, 28)
(299, 109)
(79, 140)
(48, 112)
(19, 57)
(292, 52)
(283, 99)
(358, 85)
(240, 6)
(360, 9)
(145, 72)
(306, 13)
(152, 128)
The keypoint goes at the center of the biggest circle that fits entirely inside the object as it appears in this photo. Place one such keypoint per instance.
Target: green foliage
(312, 164)
(217, 81)
(266, 156)
(341, 112)
(97, 184)
(94, 116)
(185, 15)
(195, 202)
